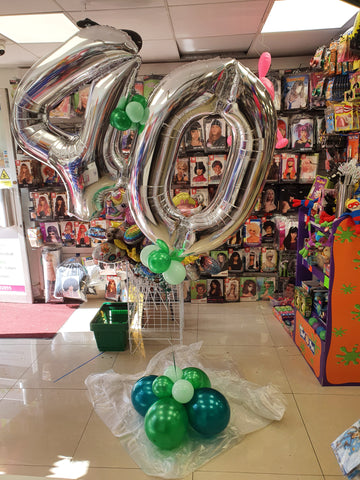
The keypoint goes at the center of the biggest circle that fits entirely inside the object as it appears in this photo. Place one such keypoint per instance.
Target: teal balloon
(175, 274)
(159, 261)
(166, 423)
(120, 120)
(145, 252)
(162, 386)
(139, 99)
(196, 377)
(142, 396)
(208, 411)
(182, 391)
(135, 111)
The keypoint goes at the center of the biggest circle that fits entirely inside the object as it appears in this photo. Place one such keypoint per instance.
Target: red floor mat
(37, 320)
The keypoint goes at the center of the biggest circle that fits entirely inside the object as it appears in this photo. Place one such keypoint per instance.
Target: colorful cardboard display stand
(335, 361)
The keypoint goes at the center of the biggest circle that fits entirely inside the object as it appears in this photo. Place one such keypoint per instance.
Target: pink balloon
(264, 64)
(269, 86)
(229, 140)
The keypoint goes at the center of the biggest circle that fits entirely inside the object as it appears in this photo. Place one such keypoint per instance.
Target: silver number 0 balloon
(221, 87)
(108, 59)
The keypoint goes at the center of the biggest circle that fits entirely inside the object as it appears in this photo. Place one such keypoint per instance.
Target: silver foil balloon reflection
(218, 87)
(105, 57)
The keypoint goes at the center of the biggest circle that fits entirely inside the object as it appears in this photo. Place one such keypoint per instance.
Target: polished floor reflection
(48, 427)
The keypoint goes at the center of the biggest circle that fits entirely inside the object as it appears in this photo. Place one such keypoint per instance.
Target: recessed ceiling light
(295, 15)
(43, 28)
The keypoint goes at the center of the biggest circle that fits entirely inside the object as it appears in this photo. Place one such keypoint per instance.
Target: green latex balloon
(122, 103)
(145, 252)
(166, 423)
(145, 116)
(141, 128)
(120, 120)
(196, 377)
(135, 111)
(162, 386)
(182, 391)
(175, 274)
(208, 411)
(139, 99)
(159, 261)
(163, 245)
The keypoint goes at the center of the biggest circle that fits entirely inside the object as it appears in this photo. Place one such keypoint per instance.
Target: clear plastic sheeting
(252, 408)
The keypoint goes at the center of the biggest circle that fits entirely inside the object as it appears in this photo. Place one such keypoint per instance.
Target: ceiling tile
(91, 5)
(229, 43)
(16, 56)
(207, 2)
(159, 51)
(218, 19)
(41, 49)
(291, 43)
(151, 24)
(17, 7)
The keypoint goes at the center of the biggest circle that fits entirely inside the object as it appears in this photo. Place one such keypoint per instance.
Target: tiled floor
(48, 427)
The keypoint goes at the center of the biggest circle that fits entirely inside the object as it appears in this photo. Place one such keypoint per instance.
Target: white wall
(7, 74)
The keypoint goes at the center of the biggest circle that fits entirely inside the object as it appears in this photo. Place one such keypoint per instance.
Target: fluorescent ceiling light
(44, 28)
(295, 15)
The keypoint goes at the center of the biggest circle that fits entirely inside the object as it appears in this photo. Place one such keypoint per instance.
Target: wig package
(51, 258)
(71, 280)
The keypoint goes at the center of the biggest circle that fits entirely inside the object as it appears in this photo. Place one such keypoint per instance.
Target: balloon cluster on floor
(177, 400)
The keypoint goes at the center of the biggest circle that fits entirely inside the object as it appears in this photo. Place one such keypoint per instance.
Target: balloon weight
(208, 411)
(182, 391)
(162, 386)
(196, 377)
(159, 261)
(142, 396)
(166, 423)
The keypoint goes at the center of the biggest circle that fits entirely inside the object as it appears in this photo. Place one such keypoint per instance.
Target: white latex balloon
(145, 252)
(182, 391)
(174, 373)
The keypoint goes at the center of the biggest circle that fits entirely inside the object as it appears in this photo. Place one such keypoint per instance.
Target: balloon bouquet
(172, 401)
(107, 59)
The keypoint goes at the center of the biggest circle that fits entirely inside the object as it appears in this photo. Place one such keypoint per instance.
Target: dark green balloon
(142, 396)
(139, 99)
(208, 411)
(166, 423)
(162, 386)
(196, 377)
(120, 120)
(159, 261)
